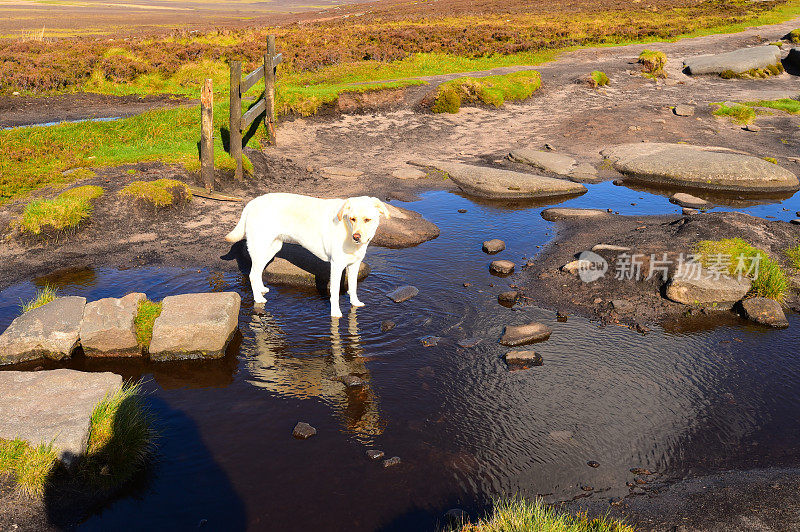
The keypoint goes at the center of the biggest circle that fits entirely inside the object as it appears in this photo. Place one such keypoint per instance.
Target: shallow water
(709, 396)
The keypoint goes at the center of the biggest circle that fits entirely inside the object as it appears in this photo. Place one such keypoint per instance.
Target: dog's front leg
(336, 281)
(352, 283)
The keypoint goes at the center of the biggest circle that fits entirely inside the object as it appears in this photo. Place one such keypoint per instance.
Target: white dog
(335, 230)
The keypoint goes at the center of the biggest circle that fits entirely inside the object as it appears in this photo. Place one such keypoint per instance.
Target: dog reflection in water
(277, 368)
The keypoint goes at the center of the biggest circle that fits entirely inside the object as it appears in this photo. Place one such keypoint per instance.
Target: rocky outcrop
(50, 331)
(52, 407)
(195, 326)
(707, 290)
(737, 61)
(764, 311)
(108, 327)
(697, 167)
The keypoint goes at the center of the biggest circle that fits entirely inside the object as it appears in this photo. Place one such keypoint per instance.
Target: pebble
(387, 325)
(467, 285)
(462, 211)
(502, 266)
(493, 246)
(609, 247)
(374, 454)
(393, 461)
(303, 431)
(403, 293)
(640, 471)
(587, 488)
(561, 317)
(593, 463)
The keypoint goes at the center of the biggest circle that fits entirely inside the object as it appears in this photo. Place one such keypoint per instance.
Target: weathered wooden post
(236, 118)
(270, 65)
(207, 135)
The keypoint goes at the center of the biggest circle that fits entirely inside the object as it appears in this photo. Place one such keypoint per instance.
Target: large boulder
(108, 327)
(737, 61)
(494, 183)
(50, 331)
(684, 165)
(195, 326)
(701, 288)
(52, 407)
(765, 311)
(403, 229)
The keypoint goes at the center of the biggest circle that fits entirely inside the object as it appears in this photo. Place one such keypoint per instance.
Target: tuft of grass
(770, 280)
(782, 104)
(653, 63)
(159, 193)
(754, 73)
(491, 90)
(738, 113)
(794, 36)
(598, 79)
(43, 296)
(146, 315)
(518, 515)
(64, 212)
(772, 160)
(794, 256)
(30, 467)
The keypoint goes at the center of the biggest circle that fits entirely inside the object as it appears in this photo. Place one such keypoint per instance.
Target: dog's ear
(382, 208)
(343, 210)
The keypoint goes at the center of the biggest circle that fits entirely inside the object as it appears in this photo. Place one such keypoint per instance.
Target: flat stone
(108, 327)
(688, 211)
(683, 110)
(393, 461)
(593, 463)
(304, 271)
(469, 342)
(303, 431)
(408, 173)
(704, 289)
(687, 200)
(50, 331)
(493, 246)
(403, 229)
(684, 165)
(548, 161)
(54, 406)
(374, 454)
(508, 297)
(494, 183)
(515, 335)
(738, 61)
(564, 213)
(503, 267)
(338, 172)
(403, 293)
(523, 358)
(609, 247)
(765, 311)
(584, 172)
(195, 326)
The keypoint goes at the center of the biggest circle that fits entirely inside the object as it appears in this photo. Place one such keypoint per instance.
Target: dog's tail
(238, 232)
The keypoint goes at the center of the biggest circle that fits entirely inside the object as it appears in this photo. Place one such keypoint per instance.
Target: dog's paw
(336, 313)
(265, 290)
(259, 300)
(356, 303)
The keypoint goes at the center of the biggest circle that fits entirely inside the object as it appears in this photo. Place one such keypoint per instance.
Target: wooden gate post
(269, 87)
(236, 118)
(207, 135)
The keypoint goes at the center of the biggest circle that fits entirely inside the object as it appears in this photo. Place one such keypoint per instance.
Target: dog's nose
(357, 237)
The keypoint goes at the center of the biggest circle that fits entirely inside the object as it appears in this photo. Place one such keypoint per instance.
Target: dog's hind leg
(260, 257)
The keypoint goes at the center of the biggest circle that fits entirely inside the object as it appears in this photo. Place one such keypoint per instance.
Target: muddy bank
(617, 296)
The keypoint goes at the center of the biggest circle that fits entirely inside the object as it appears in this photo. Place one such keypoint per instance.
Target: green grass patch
(29, 467)
(491, 90)
(769, 280)
(145, 317)
(66, 211)
(738, 113)
(598, 79)
(794, 36)
(794, 256)
(754, 73)
(518, 515)
(787, 105)
(158, 193)
(653, 63)
(772, 160)
(43, 296)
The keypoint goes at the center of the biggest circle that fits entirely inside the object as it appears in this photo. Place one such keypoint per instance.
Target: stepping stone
(108, 327)
(303, 431)
(523, 358)
(50, 331)
(493, 246)
(352, 381)
(687, 200)
(393, 461)
(564, 213)
(283, 272)
(403, 229)
(508, 297)
(738, 61)
(54, 406)
(494, 183)
(548, 161)
(609, 247)
(469, 342)
(403, 293)
(703, 289)
(338, 172)
(683, 110)
(503, 267)
(195, 326)
(387, 325)
(515, 335)
(765, 311)
(408, 173)
(684, 165)
(374, 454)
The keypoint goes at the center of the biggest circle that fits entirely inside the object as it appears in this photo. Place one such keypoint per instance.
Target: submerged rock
(387, 325)
(765, 311)
(108, 327)
(50, 331)
(303, 431)
(515, 335)
(374, 454)
(352, 381)
(403, 293)
(704, 289)
(738, 61)
(393, 461)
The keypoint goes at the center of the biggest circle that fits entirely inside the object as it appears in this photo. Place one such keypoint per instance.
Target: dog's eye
(367, 220)
(353, 219)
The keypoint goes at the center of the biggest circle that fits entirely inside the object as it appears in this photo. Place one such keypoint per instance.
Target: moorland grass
(787, 105)
(738, 113)
(158, 193)
(794, 256)
(794, 36)
(145, 317)
(771, 280)
(598, 79)
(43, 296)
(66, 211)
(491, 90)
(29, 466)
(519, 515)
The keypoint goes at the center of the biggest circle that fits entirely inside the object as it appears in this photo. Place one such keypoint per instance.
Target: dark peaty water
(680, 402)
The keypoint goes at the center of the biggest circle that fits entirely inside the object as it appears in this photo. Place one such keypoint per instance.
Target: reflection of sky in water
(721, 394)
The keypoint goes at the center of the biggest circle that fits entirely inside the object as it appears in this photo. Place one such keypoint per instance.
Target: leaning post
(236, 118)
(269, 87)
(207, 135)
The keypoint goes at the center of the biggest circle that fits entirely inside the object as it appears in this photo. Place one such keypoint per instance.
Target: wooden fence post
(207, 135)
(269, 88)
(236, 117)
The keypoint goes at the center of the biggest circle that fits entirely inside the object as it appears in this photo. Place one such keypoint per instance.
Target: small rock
(587, 488)
(403, 293)
(640, 471)
(493, 246)
(430, 341)
(752, 127)
(374, 454)
(469, 342)
(15, 93)
(615, 501)
(683, 110)
(387, 325)
(393, 461)
(705, 290)
(638, 490)
(796, 221)
(688, 211)
(563, 213)
(609, 247)
(508, 297)
(462, 211)
(467, 285)
(523, 358)
(515, 335)
(640, 328)
(621, 305)
(764, 311)
(352, 381)
(303, 431)
(593, 463)
(503, 267)
(561, 317)
(576, 266)
(687, 200)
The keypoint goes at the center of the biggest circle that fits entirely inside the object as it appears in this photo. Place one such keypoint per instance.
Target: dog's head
(361, 216)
